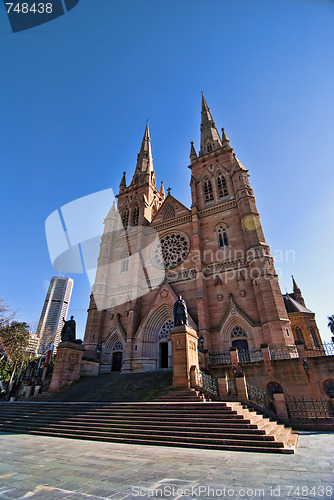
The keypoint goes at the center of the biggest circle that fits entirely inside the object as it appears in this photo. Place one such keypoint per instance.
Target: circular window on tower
(171, 250)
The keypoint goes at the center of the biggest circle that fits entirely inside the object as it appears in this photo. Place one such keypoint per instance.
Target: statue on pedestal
(68, 330)
(180, 312)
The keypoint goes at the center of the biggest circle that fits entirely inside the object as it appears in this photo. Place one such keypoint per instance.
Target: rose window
(171, 250)
(165, 329)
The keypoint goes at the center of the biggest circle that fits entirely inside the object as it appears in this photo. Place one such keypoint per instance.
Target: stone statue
(68, 331)
(180, 312)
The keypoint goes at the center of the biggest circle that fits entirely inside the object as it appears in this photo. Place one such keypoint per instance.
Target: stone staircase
(113, 387)
(192, 424)
(180, 396)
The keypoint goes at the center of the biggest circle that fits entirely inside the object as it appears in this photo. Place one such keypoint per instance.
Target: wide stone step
(199, 424)
(134, 430)
(214, 425)
(149, 437)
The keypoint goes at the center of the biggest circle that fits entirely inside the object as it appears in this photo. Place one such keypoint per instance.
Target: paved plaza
(36, 467)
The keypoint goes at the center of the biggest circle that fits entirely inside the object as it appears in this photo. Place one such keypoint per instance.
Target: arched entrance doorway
(239, 341)
(165, 346)
(117, 358)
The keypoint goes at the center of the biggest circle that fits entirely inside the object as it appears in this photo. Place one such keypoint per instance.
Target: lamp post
(201, 343)
(305, 366)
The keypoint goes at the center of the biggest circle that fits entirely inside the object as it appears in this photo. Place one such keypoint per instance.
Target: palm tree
(331, 323)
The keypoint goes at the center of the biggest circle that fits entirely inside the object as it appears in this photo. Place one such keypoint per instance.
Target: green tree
(14, 339)
(331, 323)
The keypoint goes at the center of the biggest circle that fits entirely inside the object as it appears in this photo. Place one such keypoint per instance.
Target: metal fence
(260, 397)
(220, 358)
(310, 408)
(247, 356)
(209, 383)
(276, 352)
(327, 349)
(283, 351)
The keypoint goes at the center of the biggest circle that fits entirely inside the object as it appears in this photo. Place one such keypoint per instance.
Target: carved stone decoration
(164, 294)
(168, 213)
(243, 293)
(179, 344)
(192, 346)
(220, 297)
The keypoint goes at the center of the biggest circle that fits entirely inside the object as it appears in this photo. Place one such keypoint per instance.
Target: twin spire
(210, 141)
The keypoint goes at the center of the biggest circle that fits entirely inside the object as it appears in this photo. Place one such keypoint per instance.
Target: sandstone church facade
(214, 254)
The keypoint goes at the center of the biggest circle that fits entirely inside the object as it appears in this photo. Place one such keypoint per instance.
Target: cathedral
(213, 253)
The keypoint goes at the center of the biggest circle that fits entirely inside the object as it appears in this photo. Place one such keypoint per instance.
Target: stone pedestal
(280, 405)
(67, 365)
(185, 355)
(240, 383)
(265, 352)
(222, 387)
(301, 349)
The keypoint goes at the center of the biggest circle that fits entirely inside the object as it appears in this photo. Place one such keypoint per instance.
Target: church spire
(297, 293)
(122, 185)
(225, 140)
(144, 159)
(193, 154)
(210, 139)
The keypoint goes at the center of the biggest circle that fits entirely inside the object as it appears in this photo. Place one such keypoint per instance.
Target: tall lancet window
(208, 193)
(222, 186)
(125, 262)
(222, 236)
(135, 216)
(125, 218)
(299, 334)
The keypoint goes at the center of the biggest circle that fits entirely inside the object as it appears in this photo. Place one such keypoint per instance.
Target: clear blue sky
(75, 95)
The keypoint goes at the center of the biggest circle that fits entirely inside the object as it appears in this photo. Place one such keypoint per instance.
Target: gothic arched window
(299, 334)
(135, 216)
(125, 218)
(209, 148)
(222, 236)
(208, 193)
(238, 332)
(314, 337)
(125, 262)
(222, 186)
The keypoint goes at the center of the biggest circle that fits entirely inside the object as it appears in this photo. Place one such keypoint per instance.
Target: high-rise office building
(54, 310)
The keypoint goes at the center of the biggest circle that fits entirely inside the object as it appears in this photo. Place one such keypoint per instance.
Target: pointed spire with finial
(193, 154)
(210, 139)
(122, 185)
(297, 293)
(162, 190)
(144, 159)
(225, 140)
(237, 163)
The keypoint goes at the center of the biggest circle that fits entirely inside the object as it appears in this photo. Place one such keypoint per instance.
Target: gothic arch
(111, 344)
(299, 334)
(233, 320)
(149, 333)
